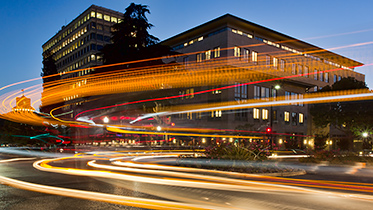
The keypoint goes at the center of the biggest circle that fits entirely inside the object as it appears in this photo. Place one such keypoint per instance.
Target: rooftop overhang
(232, 21)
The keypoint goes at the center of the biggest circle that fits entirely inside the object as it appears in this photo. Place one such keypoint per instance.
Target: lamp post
(105, 120)
(274, 95)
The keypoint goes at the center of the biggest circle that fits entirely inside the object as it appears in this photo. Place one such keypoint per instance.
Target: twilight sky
(25, 25)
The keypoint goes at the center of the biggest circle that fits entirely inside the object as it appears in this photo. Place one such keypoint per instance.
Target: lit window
(114, 19)
(326, 75)
(237, 52)
(208, 54)
(256, 113)
(321, 76)
(107, 17)
(99, 15)
(217, 52)
(275, 63)
(191, 91)
(200, 39)
(93, 14)
(286, 116)
(199, 57)
(315, 74)
(254, 56)
(301, 118)
(93, 57)
(216, 114)
(265, 114)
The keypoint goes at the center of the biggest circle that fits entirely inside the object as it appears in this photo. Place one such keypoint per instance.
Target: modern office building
(76, 44)
(239, 44)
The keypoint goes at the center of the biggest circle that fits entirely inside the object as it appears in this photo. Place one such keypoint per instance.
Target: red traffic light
(268, 130)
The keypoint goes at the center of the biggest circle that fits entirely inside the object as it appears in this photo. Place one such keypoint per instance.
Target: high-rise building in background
(75, 46)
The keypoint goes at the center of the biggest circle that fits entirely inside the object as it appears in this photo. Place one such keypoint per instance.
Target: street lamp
(274, 95)
(159, 128)
(365, 134)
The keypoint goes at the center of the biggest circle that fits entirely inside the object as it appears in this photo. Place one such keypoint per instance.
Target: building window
(189, 115)
(274, 115)
(300, 69)
(237, 52)
(217, 52)
(107, 18)
(294, 118)
(93, 14)
(114, 19)
(265, 114)
(335, 78)
(305, 71)
(186, 61)
(301, 118)
(256, 113)
(237, 90)
(244, 91)
(256, 92)
(315, 74)
(265, 92)
(254, 56)
(216, 114)
(99, 15)
(199, 57)
(275, 62)
(282, 65)
(294, 68)
(246, 55)
(287, 95)
(208, 55)
(326, 75)
(286, 116)
(268, 60)
(339, 78)
(274, 93)
(301, 97)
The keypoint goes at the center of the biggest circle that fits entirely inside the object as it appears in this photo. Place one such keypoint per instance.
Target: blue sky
(25, 25)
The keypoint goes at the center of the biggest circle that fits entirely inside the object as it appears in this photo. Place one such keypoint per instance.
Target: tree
(131, 40)
(49, 66)
(349, 117)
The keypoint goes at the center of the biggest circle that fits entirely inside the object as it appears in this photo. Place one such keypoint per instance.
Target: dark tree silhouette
(131, 39)
(352, 118)
(49, 67)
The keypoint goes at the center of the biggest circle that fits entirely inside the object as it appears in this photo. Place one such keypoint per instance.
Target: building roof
(79, 16)
(230, 20)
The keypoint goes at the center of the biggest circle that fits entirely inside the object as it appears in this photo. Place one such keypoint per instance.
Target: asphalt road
(196, 191)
